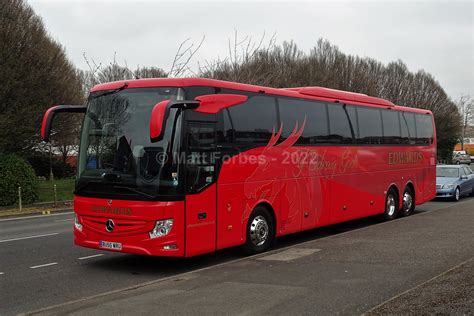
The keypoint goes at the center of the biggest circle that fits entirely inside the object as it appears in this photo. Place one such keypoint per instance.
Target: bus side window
(341, 126)
(407, 121)
(251, 123)
(370, 126)
(391, 127)
(295, 112)
(424, 129)
(200, 157)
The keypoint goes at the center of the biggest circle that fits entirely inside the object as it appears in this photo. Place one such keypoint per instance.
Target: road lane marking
(28, 237)
(44, 265)
(34, 216)
(92, 256)
(64, 220)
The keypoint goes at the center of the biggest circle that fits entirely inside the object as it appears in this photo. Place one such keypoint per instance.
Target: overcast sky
(435, 36)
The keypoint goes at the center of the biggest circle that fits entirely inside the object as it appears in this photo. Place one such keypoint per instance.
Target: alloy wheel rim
(457, 194)
(407, 201)
(390, 207)
(259, 231)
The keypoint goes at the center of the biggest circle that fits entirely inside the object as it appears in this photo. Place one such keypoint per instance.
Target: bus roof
(312, 93)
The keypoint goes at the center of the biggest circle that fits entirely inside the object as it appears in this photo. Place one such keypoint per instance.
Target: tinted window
(340, 124)
(391, 127)
(407, 121)
(370, 125)
(468, 170)
(294, 112)
(424, 129)
(201, 145)
(192, 92)
(253, 121)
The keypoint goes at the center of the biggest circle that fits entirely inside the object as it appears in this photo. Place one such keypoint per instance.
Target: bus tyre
(457, 195)
(391, 205)
(260, 231)
(408, 202)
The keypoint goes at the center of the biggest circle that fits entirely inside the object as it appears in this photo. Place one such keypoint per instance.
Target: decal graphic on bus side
(407, 157)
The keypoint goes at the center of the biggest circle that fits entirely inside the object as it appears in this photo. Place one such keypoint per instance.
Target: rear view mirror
(51, 112)
(464, 177)
(160, 114)
(211, 103)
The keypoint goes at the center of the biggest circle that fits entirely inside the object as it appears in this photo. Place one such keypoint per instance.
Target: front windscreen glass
(447, 172)
(117, 159)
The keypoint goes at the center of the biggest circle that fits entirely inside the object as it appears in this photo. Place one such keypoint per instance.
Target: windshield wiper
(108, 92)
(133, 190)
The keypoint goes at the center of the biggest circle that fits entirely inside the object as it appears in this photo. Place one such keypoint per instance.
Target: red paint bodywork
(158, 119)
(306, 187)
(213, 103)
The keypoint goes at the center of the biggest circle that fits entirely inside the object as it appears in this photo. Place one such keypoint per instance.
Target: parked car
(461, 158)
(454, 181)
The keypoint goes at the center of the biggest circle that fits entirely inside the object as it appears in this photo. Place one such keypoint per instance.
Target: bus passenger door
(201, 189)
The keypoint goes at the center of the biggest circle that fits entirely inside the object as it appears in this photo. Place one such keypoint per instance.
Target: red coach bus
(182, 167)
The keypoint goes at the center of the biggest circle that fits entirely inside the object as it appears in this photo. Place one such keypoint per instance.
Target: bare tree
(465, 105)
(114, 71)
(186, 50)
(325, 65)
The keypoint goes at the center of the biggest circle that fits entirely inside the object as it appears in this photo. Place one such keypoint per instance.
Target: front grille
(122, 226)
(439, 186)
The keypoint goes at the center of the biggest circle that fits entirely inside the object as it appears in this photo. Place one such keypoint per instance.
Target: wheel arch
(270, 209)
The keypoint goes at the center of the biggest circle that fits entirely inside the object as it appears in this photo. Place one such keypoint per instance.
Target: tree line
(36, 74)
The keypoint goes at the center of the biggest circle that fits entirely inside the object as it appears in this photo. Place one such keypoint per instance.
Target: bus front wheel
(391, 205)
(260, 231)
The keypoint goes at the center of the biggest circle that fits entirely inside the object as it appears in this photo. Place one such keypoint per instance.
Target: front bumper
(132, 223)
(444, 193)
(140, 244)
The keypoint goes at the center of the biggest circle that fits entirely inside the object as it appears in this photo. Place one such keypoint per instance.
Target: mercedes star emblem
(109, 225)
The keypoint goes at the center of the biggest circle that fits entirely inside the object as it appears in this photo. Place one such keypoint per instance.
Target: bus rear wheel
(391, 205)
(408, 203)
(260, 231)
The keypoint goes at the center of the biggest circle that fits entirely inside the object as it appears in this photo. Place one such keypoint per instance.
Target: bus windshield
(116, 157)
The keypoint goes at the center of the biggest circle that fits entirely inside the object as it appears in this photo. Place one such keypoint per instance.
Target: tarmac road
(40, 266)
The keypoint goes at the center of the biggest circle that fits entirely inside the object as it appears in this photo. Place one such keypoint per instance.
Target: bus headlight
(76, 223)
(162, 228)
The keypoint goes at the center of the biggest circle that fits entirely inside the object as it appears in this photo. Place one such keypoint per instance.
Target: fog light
(169, 247)
(162, 228)
(76, 223)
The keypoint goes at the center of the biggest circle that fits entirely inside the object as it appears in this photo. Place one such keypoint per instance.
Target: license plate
(110, 245)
